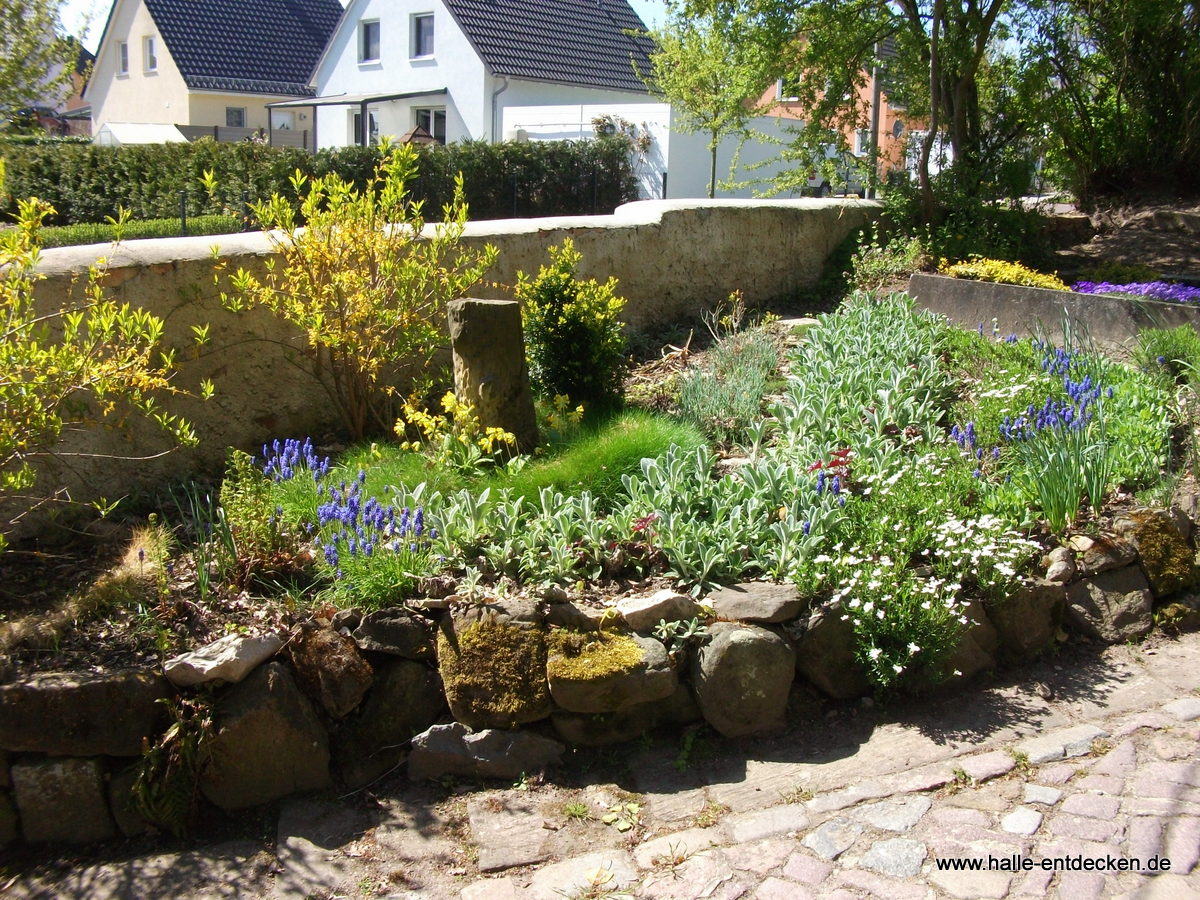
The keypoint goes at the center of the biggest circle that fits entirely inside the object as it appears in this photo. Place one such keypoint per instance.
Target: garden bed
(917, 505)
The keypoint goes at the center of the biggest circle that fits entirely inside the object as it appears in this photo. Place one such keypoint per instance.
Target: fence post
(664, 196)
(183, 213)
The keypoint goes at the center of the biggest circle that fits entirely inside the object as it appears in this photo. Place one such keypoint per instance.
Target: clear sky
(77, 12)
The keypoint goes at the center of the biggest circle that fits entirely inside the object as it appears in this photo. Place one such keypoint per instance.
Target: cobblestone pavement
(1076, 781)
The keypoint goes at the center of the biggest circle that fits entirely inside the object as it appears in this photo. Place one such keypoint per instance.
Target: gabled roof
(583, 42)
(247, 46)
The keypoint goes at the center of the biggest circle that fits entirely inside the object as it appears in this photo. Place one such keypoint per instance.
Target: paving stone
(970, 841)
(1152, 787)
(681, 842)
(508, 832)
(491, 889)
(1065, 742)
(1186, 773)
(1186, 709)
(608, 870)
(766, 823)
(779, 889)
(1022, 820)
(926, 778)
(761, 857)
(1102, 784)
(897, 857)
(1145, 838)
(707, 874)
(1152, 720)
(1082, 827)
(1183, 843)
(1173, 747)
(1118, 762)
(1094, 806)
(848, 796)
(1168, 886)
(954, 816)
(1035, 884)
(1080, 885)
(1047, 796)
(878, 886)
(833, 838)
(969, 885)
(987, 765)
(1055, 775)
(893, 815)
(806, 869)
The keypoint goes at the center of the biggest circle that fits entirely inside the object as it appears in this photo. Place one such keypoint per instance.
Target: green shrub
(725, 398)
(874, 265)
(572, 335)
(93, 233)
(1002, 272)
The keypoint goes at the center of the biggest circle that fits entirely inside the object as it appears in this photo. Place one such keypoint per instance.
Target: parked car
(845, 177)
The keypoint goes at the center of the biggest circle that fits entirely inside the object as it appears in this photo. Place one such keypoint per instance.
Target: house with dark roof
(209, 66)
(452, 67)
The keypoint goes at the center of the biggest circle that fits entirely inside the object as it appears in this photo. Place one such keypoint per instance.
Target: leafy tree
(36, 61)
(710, 69)
(1125, 108)
(68, 368)
(364, 280)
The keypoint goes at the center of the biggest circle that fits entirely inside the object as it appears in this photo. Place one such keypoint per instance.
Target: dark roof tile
(246, 46)
(583, 42)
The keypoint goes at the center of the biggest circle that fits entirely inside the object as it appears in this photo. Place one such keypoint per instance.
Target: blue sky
(76, 12)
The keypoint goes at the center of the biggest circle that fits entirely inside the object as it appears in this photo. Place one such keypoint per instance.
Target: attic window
(368, 42)
(422, 35)
(149, 56)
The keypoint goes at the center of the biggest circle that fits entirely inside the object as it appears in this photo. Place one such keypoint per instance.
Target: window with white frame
(433, 121)
(149, 54)
(422, 35)
(788, 88)
(122, 58)
(235, 116)
(356, 135)
(368, 41)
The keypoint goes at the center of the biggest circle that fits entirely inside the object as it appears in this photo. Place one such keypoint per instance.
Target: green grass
(102, 233)
(593, 460)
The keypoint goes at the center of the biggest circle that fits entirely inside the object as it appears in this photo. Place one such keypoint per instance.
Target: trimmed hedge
(103, 233)
(87, 183)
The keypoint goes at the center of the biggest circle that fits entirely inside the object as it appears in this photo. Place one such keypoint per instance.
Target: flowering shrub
(573, 337)
(1002, 272)
(1154, 290)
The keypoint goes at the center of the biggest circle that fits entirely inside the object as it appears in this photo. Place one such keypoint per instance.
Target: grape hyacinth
(358, 528)
(1155, 290)
(283, 460)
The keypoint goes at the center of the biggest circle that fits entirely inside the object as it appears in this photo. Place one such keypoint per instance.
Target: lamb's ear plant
(362, 277)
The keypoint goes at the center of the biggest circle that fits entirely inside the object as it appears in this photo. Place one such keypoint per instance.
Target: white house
(452, 67)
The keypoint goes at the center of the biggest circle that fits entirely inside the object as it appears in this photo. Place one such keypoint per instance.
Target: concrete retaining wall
(673, 259)
(1110, 323)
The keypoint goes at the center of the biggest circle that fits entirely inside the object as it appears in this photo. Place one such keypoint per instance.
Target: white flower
(913, 648)
(874, 653)
(898, 668)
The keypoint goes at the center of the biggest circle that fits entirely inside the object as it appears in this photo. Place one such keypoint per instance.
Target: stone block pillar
(489, 366)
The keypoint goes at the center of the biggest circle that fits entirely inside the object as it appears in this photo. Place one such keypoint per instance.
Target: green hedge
(87, 183)
(103, 233)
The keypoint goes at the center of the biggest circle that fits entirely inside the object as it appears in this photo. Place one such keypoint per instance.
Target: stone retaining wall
(495, 690)
(1110, 323)
(673, 260)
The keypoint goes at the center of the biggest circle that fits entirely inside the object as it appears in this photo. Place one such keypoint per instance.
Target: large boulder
(742, 678)
(329, 668)
(1114, 606)
(82, 714)
(455, 750)
(643, 613)
(608, 673)
(1028, 618)
(493, 669)
(757, 601)
(268, 743)
(825, 655)
(62, 800)
(405, 700)
(1167, 559)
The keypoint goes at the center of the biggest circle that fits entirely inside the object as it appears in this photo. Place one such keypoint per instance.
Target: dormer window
(422, 36)
(149, 55)
(368, 42)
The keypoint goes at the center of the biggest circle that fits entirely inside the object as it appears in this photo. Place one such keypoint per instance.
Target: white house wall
(688, 162)
(454, 65)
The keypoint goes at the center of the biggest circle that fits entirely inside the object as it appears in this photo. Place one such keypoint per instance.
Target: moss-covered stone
(610, 672)
(494, 674)
(582, 657)
(1168, 561)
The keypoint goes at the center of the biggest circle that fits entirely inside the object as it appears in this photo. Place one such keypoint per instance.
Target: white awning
(352, 99)
(114, 134)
